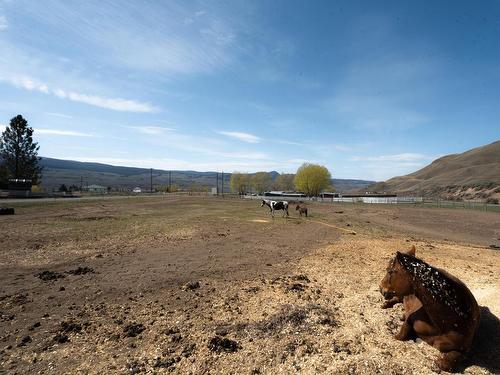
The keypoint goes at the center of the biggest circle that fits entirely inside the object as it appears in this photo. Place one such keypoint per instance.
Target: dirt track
(200, 286)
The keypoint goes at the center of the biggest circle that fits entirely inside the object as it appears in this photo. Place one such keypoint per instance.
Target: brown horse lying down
(438, 308)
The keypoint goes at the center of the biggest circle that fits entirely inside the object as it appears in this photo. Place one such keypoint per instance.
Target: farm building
(292, 194)
(19, 187)
(98, 189)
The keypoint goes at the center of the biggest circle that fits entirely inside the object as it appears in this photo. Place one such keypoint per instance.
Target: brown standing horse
(302, 210)
(438, 308)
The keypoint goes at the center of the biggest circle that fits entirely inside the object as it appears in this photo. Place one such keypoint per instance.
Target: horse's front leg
(449, 361)
(412, 312)
(406, 332)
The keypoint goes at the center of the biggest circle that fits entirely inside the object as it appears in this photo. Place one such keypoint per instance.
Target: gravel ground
(203, 286)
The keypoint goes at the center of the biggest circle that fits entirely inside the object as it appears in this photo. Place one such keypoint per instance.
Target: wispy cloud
(65, 133)
(285, 142)
(151, 130)
(203, 146)
(405, 157)
(244, 137)
(3, 23)
(26, 83)
(55, 114)
(116, 104)
(176, 39)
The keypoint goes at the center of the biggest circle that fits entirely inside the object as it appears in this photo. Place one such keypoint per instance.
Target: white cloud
(244, 137)
(284, 142)
(151, 130)
(116, 104)
(2, 128)
(67, 133)
(381, 170)
(27, 83)
(56, 114)
(405, 157)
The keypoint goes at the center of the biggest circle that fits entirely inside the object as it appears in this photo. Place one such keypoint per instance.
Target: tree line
(310, 179)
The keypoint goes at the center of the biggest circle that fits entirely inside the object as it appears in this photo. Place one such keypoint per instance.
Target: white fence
(367, 199)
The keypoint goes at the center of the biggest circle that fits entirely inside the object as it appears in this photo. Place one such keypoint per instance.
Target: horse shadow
(485, 351)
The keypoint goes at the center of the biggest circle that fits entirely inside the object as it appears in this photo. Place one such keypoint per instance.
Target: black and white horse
(275, 206)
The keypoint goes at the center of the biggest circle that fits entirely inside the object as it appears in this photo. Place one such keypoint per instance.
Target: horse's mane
(439, 285)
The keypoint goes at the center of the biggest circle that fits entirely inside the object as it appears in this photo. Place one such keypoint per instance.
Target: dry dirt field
(215, 286)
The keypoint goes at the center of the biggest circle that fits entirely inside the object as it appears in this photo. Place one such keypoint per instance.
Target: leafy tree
(174, 188)
(18, 151)
(284, 182)
(239, 182)
(63, 188)
(261, 181)
(312, 179)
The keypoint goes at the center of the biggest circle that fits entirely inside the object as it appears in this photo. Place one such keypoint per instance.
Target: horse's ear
(411, 251)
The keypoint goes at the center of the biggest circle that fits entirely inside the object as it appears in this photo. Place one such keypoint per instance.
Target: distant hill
(69, 172)
(347, 186)
(474, 174)
(57, 172)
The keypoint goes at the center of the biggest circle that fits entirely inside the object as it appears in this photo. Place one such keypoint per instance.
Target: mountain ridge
(472, 174)
(70, 172)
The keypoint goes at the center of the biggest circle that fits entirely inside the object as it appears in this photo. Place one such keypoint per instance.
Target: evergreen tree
(18, 152)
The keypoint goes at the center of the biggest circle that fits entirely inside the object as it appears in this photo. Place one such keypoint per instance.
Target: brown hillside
(470, 175)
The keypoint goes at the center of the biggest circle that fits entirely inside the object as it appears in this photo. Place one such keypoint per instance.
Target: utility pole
(169, 181)
(151, 179)
(216, 183)
(81, 183)
(222, 184)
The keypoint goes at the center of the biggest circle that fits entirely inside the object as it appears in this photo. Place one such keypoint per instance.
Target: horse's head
(397, 281)
(297, 208)
(263, 203)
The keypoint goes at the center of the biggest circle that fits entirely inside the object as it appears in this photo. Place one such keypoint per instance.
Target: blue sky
(370, 89)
